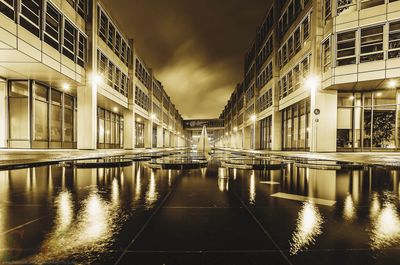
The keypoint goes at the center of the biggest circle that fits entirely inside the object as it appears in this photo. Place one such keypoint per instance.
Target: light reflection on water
(385, 223)
(151, 194)
(252, 188)
(349, 211)
(308, 228)
(90, 231)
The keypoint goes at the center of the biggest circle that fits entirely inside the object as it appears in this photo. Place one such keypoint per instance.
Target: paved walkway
(372, 158)
(14, 157)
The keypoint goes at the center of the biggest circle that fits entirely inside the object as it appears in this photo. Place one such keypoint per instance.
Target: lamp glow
(392, 83)
(253, 117)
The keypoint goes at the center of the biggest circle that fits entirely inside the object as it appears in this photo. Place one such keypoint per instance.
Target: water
(139, 215)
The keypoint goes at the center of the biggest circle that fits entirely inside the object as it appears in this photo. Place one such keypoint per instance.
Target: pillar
(129, 128)
(247, 137)
(159, 136)
(87, 116)
(257, 135)
(323, 130)
(148, 133)
(3, 114)
(276, 130)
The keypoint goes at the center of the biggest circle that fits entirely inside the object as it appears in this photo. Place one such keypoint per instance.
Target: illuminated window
(371, 44)
(346, 53)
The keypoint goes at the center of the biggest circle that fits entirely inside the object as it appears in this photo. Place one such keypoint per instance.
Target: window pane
(41, 121)
(56, 122)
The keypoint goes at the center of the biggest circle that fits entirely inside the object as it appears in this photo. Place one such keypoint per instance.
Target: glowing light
(115, 109)
(351, 98)
(96, 79)
(252, 188)
(226, 134)
(392, 84)
(311, 82)
(153, 116)
(375, 206)
(223, 184)
(64, 210)
(170, 127)
(235, 129)
(308, 227)
(66, 87)
(253, 117)
(349, 210)
(115, 192)
(379, 94)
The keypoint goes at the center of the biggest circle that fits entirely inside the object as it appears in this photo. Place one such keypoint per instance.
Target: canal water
(215, 215)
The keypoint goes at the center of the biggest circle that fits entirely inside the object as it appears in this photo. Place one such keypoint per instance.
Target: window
(82, 46)
(30, 16)
(111, 70)
(103, 25)
(117, 82)
(371, 44)
(305, 66)
(56, 116)
(306, 28)
(52, 27)
(123, 51)
(117, 48)
(297, 40)
(7, 7)
(344, 6)
(326, 55)
(111, 35)
(71, 2)
(371, 3)
(103, 62)
(327, 10)
(346, 53)
(81, 8)
(69, 40)
(41, 109)
(19, 110)
(394, 40)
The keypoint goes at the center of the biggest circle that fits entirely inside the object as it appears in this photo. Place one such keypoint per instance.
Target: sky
(195, 48)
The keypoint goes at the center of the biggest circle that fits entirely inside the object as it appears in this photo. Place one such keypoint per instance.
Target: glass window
(69, 40)
(56, 116)
(103, 25)
(19, 110)
(110, 71)
(371, 44)
(81, 8)
(306, 28)
(345, 6)
(394, 40)
(30, 16)
(327, 9)
(346, 53)
(371, 3)
(326, 55)
(117, 48)
(82, 46)
(297, 40)
(111, 35)
(7, 7)
(52, 27)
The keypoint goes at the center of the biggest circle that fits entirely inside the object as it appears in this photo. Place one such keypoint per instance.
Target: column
(148, 134)
(159, 136)
(129, 128)
(247, 137)
(276, 130)
(257, 135)
(87, 116)
(3, 114)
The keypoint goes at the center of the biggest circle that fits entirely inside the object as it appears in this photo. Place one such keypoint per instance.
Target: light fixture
(351, 98)
(311, 82)
(96, 79)
(253, 117)
(138, 119)
(153, 116)
(235, 129)
(379, 94)
(392, 83)
(115, 109)
(170, 127)
(66, 87)
(226, 134)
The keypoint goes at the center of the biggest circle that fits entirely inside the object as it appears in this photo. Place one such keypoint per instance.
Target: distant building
(321, 75)
(70, 78)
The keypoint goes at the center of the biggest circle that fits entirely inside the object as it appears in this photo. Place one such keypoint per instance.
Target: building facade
(71, 78)
(320, 76)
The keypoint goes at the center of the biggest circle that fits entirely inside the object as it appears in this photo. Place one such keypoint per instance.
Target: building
(71, 78)
(320, 76)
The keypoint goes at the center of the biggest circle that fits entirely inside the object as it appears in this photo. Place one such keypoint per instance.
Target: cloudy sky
(196, 48)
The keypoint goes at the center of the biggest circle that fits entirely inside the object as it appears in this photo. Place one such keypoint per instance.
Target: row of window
(295, 41)
(266, 27)
(264, 76)
(157, 91)
(292, 80)
(371, 41)
(250, 111)
(157, 110)
(110, 35)
(142, 99)
(166, 118)
(265, 101)
(115, 78)
(250, 93)
(289, 15)
(265, 51)
(58, 31)
(80, 6)
(142, 74)
(345, 6)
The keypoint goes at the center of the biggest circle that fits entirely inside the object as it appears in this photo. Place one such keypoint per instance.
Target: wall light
(253, 117)
(311, 82)
(115, 109)
(235, 129)
(153, 116)
(96, 79)
(392, 84)
(66, 87)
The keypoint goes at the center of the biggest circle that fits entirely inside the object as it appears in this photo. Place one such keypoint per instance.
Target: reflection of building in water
(115, 192)
(223, 184)
(4, 193)
(64, 213)
(308, 228)
(349, 211)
